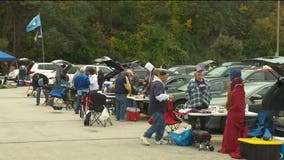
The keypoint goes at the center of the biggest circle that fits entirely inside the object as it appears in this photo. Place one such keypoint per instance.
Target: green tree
(227, 48)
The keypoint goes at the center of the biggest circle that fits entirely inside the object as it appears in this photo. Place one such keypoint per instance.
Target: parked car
(48, 69)
(13, 75)
(27, 63)
(182, 69)
(74, 69)
(223, 71)
(274, 98)
(259, 75)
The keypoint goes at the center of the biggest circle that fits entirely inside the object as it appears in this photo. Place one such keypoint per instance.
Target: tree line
(162, 32)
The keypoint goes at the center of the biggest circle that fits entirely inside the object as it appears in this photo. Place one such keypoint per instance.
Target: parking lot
(39, 132)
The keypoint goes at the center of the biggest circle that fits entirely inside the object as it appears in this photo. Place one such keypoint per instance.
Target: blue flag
(34, 23)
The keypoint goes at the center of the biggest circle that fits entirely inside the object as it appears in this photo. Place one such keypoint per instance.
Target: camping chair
(97, 110)
(172, 117)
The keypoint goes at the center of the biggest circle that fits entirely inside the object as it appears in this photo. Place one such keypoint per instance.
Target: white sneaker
(161, 142)
(145, 140)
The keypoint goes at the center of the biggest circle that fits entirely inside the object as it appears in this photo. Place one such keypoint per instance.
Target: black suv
(274, 98)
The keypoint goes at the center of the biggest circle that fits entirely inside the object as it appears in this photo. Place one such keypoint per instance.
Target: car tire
(179, 105)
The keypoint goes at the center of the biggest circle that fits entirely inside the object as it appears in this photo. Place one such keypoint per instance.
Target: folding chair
(96, 107)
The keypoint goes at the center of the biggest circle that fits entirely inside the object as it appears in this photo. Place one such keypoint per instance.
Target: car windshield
(246, 73)
(172, 69)
(47, 66)
(216, 72)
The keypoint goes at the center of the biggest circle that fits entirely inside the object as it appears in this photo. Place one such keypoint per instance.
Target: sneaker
(161, 142)
(145, 140)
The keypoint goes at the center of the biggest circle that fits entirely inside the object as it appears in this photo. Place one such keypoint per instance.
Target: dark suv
(274, 98)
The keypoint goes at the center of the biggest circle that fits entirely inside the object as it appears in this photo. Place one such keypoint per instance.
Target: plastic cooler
(259, 149)
(132, 114)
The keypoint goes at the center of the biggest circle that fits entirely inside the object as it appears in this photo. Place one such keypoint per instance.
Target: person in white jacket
(94, 86)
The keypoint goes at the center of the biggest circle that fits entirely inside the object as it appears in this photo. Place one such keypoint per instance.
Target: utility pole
(278, 21)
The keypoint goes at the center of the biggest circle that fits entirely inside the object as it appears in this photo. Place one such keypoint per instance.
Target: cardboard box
(259, 149)
(132, 114)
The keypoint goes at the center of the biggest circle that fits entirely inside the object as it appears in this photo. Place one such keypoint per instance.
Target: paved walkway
(30, 132)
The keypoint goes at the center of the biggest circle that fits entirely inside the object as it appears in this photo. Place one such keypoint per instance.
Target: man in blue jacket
(81, 83)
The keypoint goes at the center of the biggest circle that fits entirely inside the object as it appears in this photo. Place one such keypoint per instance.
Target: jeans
(120, 106)
(79, 99)
(157, 127)
(38, 95)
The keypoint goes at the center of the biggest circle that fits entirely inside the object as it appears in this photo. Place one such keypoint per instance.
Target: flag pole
(42, 45)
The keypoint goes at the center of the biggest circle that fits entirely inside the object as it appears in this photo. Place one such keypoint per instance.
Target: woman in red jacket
(236, 116)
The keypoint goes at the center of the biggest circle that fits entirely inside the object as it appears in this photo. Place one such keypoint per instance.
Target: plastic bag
(181, 139)
(105, 115)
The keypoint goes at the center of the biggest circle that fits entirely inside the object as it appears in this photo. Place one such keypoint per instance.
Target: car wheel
(178, 105)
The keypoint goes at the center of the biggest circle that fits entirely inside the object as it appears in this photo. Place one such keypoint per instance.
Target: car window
(176, 82)
(216, 72)
(73, 70)
(257, 76)
(270, 77)
(47, 66)
(105, 70)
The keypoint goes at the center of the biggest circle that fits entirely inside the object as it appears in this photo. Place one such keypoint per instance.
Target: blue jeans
(79, 99)
(157, 127)
(120, 106)
(38, 95)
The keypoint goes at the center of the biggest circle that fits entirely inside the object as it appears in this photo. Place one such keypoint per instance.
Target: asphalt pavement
(30, 132)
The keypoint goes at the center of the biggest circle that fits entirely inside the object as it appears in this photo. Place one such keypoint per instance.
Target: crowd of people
(197, 94)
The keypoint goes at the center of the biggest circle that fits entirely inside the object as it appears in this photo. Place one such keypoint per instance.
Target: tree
(227, 48)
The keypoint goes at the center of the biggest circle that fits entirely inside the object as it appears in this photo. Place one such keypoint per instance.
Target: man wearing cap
(158, 100)
(122, 88)
(198, 95)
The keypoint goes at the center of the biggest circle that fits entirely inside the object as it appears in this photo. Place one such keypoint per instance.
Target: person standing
(198, 96)
(61, 72)
(101, 79)
(38, 81)
(157, 107)
(94, 86)
(234, 127)
(122, 88)
(81, 83)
